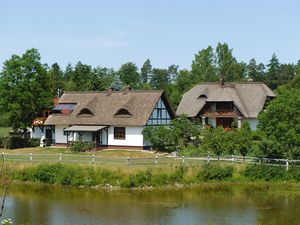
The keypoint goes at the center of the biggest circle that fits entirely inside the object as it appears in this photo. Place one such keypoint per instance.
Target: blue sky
(110, 33)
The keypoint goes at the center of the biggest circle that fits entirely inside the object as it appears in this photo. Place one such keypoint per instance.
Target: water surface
(28, 205)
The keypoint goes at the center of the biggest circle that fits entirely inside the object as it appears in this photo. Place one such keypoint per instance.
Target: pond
(52, 205)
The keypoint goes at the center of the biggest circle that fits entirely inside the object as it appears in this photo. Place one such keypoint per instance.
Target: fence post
(60, 157)
(156, 160)
(232, 158)
(208, 158)
(3, 155)
(287, 164)
(183, 160)
(93, 158)
(128, 160)
(30, 156)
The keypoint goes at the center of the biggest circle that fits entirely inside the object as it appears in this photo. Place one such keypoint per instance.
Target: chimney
(222, 82)
(109, 91)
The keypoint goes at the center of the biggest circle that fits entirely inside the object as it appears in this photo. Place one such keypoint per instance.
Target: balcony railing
(221, 112)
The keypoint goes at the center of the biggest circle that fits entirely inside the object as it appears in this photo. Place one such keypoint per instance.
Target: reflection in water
(28, 205)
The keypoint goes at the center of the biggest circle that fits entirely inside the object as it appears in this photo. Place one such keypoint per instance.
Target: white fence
(151, 161)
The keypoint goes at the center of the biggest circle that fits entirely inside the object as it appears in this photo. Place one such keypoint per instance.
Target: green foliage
(267, 173)
(81, 146)
(161, 138)
(280, 125)
(129, 74)
(219, 141)
(33, 142)
(215, 172)
(181, 133)
(204, 66)
(14, 141)
(146, 71)
(24, 88)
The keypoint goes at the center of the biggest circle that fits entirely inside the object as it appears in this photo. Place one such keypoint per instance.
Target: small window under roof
(85, 112)
(202, 96)
(123, 113)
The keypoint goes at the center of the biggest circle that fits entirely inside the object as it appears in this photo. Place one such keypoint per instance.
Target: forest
(27, 86)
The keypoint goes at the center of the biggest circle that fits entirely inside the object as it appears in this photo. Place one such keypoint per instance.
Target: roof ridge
(105, 92)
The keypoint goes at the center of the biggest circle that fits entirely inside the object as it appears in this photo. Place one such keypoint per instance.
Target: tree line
(27, 85)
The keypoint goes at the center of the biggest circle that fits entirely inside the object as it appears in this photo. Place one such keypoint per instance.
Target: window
(123, 113)
(85, 111)
(119, 133)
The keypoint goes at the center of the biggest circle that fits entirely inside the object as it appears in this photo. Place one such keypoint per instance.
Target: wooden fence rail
(154, 161)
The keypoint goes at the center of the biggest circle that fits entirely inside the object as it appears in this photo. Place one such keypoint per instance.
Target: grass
(4, 131)
(104, 153)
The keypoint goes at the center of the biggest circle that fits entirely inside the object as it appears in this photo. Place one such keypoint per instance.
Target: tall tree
(146, 71)
(228, 67)
(273, 72)
(204, 66)
(173, 72)
(160, 79)
(129, 74)
(254, 71)
(56, 79)
(24, 88)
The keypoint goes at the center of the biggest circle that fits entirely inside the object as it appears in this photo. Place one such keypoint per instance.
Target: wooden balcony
(221, 113)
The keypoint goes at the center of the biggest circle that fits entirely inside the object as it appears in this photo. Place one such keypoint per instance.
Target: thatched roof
(104, 105)
(248, 97)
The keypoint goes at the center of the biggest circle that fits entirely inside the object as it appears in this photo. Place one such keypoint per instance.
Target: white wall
(252, 122)
(133, 137)
(36, 132)
(59, 135)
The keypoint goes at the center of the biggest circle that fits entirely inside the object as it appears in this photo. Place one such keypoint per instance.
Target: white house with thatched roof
(111, 119)
(221, 104)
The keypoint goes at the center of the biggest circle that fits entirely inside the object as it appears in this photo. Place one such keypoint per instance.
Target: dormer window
(123, 113)
(85, 112)
(202, 96)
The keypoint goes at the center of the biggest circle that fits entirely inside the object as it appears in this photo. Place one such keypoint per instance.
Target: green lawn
(4, 131)
(104, 153)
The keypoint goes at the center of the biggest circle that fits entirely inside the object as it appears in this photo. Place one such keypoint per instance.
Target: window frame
(119, 133)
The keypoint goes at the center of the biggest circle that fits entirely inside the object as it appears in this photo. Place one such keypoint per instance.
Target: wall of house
(59, 134)
(212, 122)
(36, 132)
(252, 122)
(133, 137)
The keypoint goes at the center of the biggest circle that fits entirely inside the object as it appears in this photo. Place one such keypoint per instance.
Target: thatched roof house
(110, 118)
(222, 103)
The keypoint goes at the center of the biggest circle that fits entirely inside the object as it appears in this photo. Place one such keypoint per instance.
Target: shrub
(177, 176)
(266, 172)
(215, 172)
(33, 142)
(15, 141)
(80, 146)
(190, 151)
(48, 173)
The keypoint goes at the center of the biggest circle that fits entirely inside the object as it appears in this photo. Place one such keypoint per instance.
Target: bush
(15, 141)
(266, 172)
(215, 172)
(190, 151)
(33, 142)
(80, 146)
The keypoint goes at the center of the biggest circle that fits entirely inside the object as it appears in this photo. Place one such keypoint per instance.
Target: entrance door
(49, 134)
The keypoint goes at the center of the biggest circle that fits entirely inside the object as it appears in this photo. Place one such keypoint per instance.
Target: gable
(160, 114)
